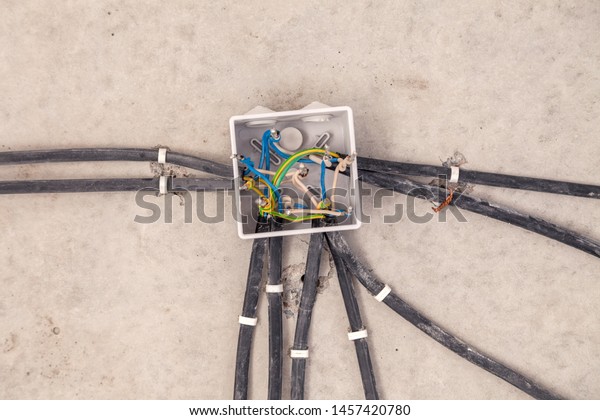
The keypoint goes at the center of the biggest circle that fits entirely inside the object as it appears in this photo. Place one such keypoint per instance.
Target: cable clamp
(383, 294)
(162, 185)
(244, 320)
(299, 354)
(274, 288)
(357, 335)
(454, 173)
(162, 155)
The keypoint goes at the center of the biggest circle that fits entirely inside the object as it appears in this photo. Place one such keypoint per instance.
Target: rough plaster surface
(95, 305)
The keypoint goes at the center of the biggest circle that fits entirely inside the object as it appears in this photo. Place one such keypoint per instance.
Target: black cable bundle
(275, 315)
(244, 346)
(402, 308)
(384, 174)
(481, 178)
(476, 205)
(362, 347)
(307, 302)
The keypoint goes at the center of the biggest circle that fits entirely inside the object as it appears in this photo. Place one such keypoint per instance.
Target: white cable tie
(244, 320)
(455, 172)
(274, 288)
(383, 294)
(299, 354)
(162, 155)
(356, 335)
(162, 185)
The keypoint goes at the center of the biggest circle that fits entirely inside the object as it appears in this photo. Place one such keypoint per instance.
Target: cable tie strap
(162, 185)
(357, 335)
(454, 173)
(244, 320)
(162, 155)
(383, 294)
(274, 288)
(299, 354)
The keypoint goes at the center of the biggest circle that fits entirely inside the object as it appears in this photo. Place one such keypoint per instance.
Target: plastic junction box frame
(300, 129)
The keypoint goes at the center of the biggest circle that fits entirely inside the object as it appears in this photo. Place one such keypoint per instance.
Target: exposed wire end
(446, 202)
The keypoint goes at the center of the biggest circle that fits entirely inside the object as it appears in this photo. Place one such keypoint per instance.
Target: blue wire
(265, 158)
(323, 192)
(250, 166)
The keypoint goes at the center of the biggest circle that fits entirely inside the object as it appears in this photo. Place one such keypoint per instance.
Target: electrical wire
(304, 189)
(322, 212)
(305, 309)
(112, 185)
(368, 279)
(480, 178)
(263, 178)
(287, 164)
(322, 179)
(533, 224)
(340, 167)
(356, 324)
(274, 144)
(275, 309)
(112, 154)
(268, 205)
(246, 333)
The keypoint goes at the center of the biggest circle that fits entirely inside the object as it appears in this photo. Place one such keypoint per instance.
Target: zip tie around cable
(162, 184)
(274, 288)
(299, 354)
(244, 320)
(383, 294)
(357, 335)
(162, 155)
(454, 173)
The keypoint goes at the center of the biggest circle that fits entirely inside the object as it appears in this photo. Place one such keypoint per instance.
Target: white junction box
(329, 130)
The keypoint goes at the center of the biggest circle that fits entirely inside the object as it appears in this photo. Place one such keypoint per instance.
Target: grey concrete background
(94, 305)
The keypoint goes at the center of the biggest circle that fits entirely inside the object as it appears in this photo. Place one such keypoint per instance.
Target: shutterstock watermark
(378, 205)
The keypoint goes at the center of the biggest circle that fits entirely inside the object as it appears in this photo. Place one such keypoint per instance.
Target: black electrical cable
(246, 333)
(305, 309)
(111, 185)
(113, 154)
(366, 277)
(364, 164)
(476, 205)
(356, 324)
(275, 315)
(481, 178)
(200, 184)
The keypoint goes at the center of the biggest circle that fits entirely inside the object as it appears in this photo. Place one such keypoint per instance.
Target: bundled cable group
(275, 210)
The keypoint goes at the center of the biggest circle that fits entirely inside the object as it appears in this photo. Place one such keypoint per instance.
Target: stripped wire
(446, 202)
(341, 167)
